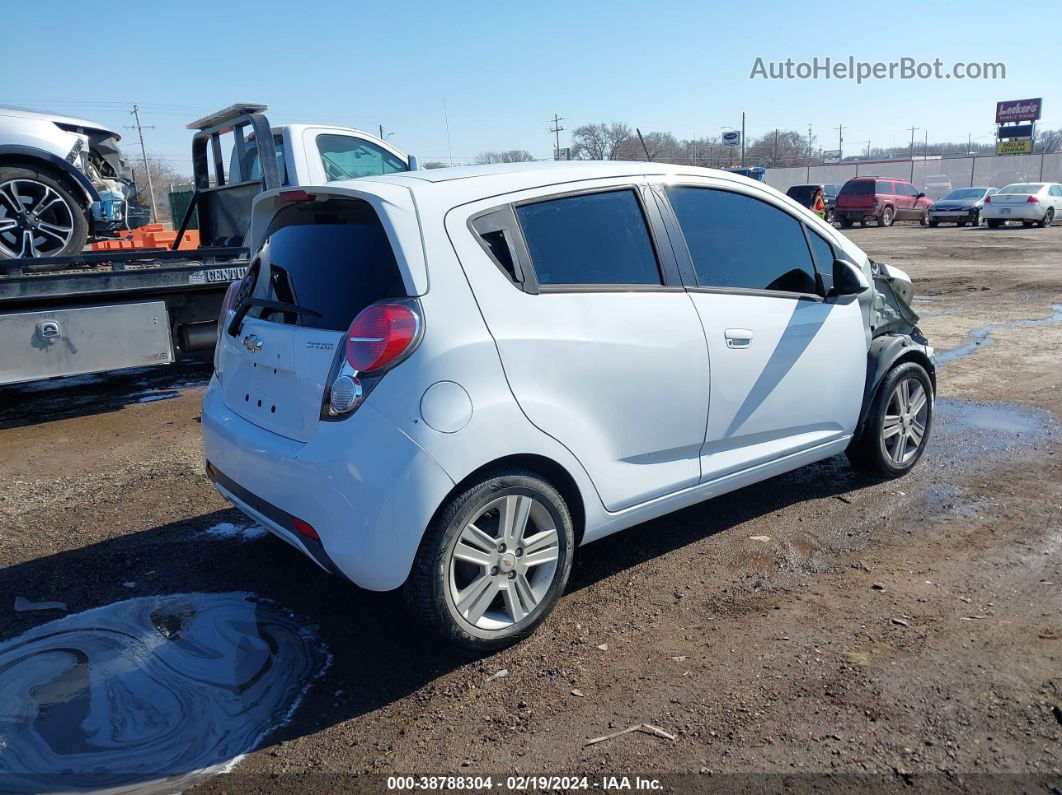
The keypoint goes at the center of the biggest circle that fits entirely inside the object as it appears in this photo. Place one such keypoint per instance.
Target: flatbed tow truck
(101, 311)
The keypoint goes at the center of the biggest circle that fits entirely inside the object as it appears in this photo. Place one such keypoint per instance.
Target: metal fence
(932, 177)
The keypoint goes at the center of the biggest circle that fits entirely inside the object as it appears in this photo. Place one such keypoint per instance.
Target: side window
(1056, 190)
(738, 241)
(883, 187)
(347, 157)
(592, 238)
(822, 252)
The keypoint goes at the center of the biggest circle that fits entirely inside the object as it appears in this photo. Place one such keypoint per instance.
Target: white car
(1038, 203)
(56, 173)
(448, 380)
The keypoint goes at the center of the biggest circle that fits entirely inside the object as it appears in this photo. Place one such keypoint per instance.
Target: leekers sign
(1015, 110)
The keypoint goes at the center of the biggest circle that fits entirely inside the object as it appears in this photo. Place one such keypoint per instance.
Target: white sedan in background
(1031, 203)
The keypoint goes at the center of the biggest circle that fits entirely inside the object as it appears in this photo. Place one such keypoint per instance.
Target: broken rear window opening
(331, 260)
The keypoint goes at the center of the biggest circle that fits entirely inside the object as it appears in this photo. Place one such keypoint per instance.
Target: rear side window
(884, 187)
(741, 242)
(347, 157)
(593, 238)
(332, 258)
(859, 187)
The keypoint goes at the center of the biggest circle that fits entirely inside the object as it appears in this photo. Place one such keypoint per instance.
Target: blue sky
(504, 69)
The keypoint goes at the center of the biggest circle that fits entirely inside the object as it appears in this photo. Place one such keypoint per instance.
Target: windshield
(1022, 188)
(964, 193)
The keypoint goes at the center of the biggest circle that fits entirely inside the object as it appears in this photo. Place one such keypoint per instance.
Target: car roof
(469, 183)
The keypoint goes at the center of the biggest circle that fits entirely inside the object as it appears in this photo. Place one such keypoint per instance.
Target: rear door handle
(738, 337)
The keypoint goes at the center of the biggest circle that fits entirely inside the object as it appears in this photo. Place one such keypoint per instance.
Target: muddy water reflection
(154, 693)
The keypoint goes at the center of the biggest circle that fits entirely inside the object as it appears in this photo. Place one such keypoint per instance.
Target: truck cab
(310, 154)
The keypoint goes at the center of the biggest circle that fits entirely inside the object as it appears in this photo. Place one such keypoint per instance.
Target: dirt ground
(822, 628)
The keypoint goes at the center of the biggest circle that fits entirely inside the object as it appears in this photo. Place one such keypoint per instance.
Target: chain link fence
(932, 177)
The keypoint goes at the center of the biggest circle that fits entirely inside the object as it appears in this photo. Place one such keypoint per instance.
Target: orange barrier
(149, 236)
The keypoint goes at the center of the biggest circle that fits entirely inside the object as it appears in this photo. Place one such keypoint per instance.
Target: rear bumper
(366, 488)
(1015, 212)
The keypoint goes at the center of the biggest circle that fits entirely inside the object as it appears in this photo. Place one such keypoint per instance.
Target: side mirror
(847, 280)
(920, 196)
(414, 164)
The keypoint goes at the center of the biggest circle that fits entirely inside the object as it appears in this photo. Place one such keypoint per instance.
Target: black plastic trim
(54, 160)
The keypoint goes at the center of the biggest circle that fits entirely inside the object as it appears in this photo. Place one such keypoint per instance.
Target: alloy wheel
(906, 414)
(35, 221)
(503, 562)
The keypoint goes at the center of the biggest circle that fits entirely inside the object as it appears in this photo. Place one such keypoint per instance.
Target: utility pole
(556, 130)
(449, 146)
(775, 146)
(925, 149)
(840, 141)
(809, 141)
(381, 132)
(135, 112)
(742, 139)
(912, 129)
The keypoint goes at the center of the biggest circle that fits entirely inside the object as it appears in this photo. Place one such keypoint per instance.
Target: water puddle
(154, 694)
(982, 335)
(964, 431)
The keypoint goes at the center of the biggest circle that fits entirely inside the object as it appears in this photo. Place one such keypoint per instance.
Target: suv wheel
(494, 561)
(1049, 217)
(924, 220)
(39, 217)
(896, 429)
(846, 222)
(885, 219)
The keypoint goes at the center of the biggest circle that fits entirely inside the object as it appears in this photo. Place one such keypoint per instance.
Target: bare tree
(508, 156)
(435, 164)
(163, 175)
(1048, 141)
(601, 141)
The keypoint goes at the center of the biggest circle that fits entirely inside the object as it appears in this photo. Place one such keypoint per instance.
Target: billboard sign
(732, 138)
(831, 156)
(1020, 147)
(1018, 110)
(1016, 131)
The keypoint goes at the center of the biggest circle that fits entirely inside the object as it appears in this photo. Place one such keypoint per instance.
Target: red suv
(884, 200)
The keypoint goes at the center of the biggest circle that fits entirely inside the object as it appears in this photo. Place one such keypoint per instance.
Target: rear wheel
(995, 223)
(975, 218)
(39, 216)
(886, 217)
(897, 426)
(494, 562)
(846, 222)
(1049, 217)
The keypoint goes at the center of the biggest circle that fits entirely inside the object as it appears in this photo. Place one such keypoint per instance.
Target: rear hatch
(325, 260)
(857, 194)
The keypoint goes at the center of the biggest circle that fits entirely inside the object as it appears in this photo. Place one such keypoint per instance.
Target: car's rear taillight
(305, 529)
(1033, 200)
(988, 199)
(380, 335)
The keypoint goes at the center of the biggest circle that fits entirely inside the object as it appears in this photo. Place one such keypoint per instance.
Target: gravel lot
(905, 633)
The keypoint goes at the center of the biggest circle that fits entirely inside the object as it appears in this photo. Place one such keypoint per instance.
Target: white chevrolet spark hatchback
(448, 380)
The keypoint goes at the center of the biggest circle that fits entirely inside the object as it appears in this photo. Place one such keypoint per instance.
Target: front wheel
(924, 220)
(494, 562)
(897, 426)
(39, 216)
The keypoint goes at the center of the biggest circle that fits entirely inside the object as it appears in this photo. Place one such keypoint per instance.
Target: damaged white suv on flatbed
(449, 380)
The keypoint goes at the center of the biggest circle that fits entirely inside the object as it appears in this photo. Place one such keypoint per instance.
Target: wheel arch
(74, 179)
(885, 353)
(557, 475)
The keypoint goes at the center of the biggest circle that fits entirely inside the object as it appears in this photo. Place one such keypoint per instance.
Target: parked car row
(884, 201)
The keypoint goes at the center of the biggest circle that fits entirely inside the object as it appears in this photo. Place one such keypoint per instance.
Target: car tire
(846, 223)
(975, 218)
(470, 584)
(890, 444)
(995, 223)
(1048, 219)
(924, 220)
(887, 216)
(38, 187)
(957, 223)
